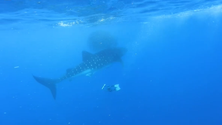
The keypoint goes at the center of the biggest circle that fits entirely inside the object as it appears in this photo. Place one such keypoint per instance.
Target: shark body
(90, 64)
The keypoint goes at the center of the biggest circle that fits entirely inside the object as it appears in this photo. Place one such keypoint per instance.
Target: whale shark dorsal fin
(86, 55)
(68, 70)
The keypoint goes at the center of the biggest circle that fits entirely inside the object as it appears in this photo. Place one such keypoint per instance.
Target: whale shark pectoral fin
(89, 74)
(49, 83)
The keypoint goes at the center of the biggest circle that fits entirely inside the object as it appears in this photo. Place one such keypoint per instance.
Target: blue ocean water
(171, 73)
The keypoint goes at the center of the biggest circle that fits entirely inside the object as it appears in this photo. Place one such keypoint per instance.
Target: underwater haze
(171, 73)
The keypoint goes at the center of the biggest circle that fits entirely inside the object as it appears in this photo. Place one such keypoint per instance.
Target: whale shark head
(116, 53)
(120, 51)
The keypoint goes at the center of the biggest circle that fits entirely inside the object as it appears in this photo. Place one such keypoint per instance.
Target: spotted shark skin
(90, 64)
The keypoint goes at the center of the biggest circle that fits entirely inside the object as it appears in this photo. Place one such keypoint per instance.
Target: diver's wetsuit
(111, 88)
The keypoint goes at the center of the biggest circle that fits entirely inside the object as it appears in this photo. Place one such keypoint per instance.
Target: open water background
(171, 74)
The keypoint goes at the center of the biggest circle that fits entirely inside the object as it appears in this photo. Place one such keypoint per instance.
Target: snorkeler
(111, 88)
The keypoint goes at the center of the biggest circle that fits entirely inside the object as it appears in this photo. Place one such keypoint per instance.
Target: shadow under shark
(90, 64)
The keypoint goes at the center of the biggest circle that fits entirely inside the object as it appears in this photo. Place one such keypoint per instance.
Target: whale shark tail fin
(49, 83)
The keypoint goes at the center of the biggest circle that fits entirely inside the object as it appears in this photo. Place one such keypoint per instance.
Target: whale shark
(90, 64)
